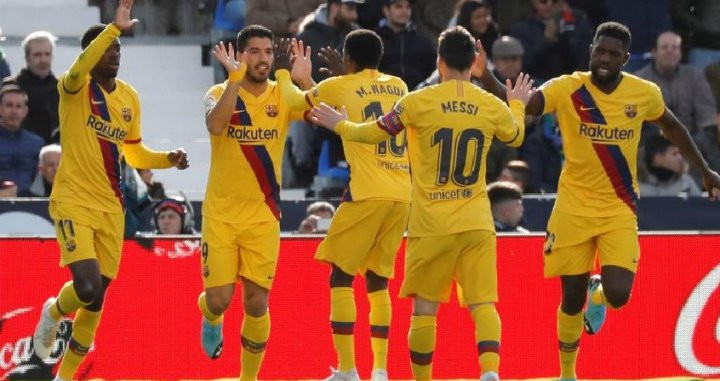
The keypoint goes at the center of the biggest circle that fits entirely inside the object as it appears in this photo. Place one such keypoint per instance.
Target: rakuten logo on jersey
(17, 358)
(697, 334)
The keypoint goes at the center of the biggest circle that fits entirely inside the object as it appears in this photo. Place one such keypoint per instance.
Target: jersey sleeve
(74, 79)
(400, 117)
(212, 96)
(549, 94)
(292, 96)
(327, 91)
(656, 103)
(136, 153)
(511, 123)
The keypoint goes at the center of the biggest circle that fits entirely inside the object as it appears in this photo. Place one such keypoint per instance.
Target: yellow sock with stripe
(254, 336)
(342, 321)
(569, 329)
(67, 302)
(487, 336)
(84, 327)
(209, 315)
(380, 316)
(421, 341)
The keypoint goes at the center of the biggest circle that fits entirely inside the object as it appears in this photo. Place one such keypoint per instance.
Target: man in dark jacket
(19, 148)
(407, 54)
(40, 85)
(697, 21)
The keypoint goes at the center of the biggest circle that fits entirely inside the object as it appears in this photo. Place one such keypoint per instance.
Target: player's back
(450, 127)
(378, 171)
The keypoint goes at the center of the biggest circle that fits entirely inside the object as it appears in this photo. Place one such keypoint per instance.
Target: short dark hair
(500, 191)
(12, 88)
(615, 30)
(320, 206)
(456, 46)
(365, 48)
(656, 144)
(91, 34)
(520, 171)
(249, 32)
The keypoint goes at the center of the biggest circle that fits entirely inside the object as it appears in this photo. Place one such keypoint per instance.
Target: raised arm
(86, 61)
(218, 115)
(674, 130)
(293, 63)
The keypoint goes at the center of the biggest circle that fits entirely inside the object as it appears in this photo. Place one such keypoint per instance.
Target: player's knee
(339, 278)
(217, 303)
(374, 282)
(255, 303)
(617, 295)
(88, 290)
(573, 301)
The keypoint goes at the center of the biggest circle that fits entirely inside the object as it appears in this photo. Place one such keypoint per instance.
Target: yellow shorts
(231, 251)
(84, 233)
(365, 235)
(573, 243)
(431, 264)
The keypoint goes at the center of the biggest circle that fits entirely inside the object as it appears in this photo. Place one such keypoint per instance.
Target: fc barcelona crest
(271, 110)
(70, 245)
(631, 111)
(127, 114)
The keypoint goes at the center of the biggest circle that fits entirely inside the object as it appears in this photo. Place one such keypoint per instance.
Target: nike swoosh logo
(583, 108)
(96, 102)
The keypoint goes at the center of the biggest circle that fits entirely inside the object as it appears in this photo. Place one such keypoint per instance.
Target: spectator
(556, 39)
(510, 12)
(19, 148)
(39, 83)
(8, 188)
(281, 16)
(542, 151)
(712, 74)
(318, 218)
(173, 216)
(507, 53)
(139, 192)
(432, 17)
(228, 19)
(370, 14)
(506, 205)
(48, 162)
(518, 172)
(4, 66)
(476, 17)
(700, 22)
(406, 53)
(687, 93)
(666, 171)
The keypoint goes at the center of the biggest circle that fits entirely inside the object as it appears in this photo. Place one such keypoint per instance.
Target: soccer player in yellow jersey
(248, 121)
(600, 114)
(99, 122)
(451, 234)
(367, 229)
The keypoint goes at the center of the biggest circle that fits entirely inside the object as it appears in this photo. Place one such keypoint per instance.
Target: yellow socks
(342, 321)
(254, 336)
(487, 336)
(67, 302)
(380, 315)
(569, 328)
(84, 327)
(421, 342)
(211, 317)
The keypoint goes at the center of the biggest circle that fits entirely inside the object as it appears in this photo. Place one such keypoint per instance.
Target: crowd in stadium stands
(545, 38)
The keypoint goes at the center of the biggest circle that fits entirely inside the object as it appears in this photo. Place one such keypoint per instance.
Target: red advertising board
(150, 325)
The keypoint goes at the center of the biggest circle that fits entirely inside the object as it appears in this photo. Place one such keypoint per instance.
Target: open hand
(327, 116)
(480, 63)
(333, 61)
(178, 158)
(282, 53)
(522, 90)
(122, 16)
(301, 62)
(227, 59)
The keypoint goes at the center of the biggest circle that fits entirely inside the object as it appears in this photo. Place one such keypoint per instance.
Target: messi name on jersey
(600, 133)
(105, 129)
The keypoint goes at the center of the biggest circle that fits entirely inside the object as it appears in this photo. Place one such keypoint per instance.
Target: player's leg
(429, 268)
(342, 321)
(220, 265)
(380, 265)
(569, 252)
(617, 283)
(476, 276)
(259, 246)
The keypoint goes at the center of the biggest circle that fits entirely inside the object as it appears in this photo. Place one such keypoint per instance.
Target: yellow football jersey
(377, 171)
(246, 158)
(449, 128)
(600, 134)
(96, 126)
